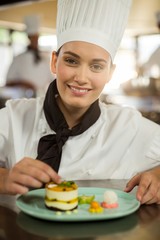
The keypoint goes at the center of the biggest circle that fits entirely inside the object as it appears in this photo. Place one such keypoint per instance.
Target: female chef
(71, 134)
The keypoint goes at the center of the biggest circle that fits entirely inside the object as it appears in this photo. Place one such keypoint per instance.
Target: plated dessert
(61, 197)
(33, 204)
(64, 197)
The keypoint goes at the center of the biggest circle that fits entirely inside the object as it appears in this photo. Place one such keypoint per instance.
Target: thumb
(132, 183)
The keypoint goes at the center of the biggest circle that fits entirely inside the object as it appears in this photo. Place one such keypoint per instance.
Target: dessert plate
(32, 204)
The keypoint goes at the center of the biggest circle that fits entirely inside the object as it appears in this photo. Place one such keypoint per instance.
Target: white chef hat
(101, 22)
(32, 23)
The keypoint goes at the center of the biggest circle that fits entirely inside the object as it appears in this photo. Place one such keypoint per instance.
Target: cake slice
(61, 197)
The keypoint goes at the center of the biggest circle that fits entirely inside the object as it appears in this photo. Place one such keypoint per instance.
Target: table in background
(149, 106)
(144, 224)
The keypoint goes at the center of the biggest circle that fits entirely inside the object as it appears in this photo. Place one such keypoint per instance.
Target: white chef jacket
(120, 144)
(24, 68)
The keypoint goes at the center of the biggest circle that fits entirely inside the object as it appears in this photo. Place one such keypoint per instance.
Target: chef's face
(34, 40)
(82, 70)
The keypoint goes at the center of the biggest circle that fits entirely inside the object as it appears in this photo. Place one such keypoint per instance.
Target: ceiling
(11, 15)
(6, 2)
(141, 20)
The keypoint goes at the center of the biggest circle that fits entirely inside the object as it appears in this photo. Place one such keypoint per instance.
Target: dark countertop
(142, 224)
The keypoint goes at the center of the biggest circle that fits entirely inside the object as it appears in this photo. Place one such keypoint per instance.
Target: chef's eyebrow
(77, 56)
(72, 53)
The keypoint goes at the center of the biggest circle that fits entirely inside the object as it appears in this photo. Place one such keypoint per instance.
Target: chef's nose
(81, 75)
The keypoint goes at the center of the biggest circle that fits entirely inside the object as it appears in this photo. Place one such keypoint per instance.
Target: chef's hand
(27, 173)
(148, 182)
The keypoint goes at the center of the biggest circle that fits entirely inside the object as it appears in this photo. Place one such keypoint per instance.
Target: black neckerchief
(50, 146)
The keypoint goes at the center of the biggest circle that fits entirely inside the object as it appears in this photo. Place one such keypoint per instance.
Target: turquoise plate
(32, 204)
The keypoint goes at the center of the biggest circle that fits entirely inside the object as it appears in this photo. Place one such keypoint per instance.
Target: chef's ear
(54, 62)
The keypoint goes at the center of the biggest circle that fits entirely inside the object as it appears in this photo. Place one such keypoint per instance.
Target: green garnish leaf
(85, 199)
(66, 184)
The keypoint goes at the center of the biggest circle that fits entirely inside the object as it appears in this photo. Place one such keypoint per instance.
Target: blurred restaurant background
(134, 83)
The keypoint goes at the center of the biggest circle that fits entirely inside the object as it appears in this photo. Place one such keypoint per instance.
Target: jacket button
(90, 172)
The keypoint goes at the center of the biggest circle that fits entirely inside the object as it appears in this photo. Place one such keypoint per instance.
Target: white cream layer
(61, 196)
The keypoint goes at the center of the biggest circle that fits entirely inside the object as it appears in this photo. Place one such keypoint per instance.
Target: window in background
(133, 52)
(4, 54)
(48, 43)
(147, 45)
(125, 61)
(149, 55)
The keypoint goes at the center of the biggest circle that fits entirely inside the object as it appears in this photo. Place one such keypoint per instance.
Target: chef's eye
(96, 67)
(70, 61)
